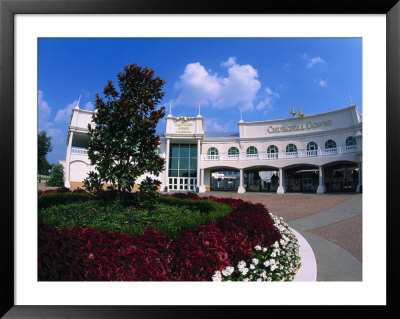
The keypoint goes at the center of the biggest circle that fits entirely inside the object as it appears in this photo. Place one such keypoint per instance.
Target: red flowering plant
(193, 255)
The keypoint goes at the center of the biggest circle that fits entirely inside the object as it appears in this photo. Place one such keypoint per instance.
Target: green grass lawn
(168, 216)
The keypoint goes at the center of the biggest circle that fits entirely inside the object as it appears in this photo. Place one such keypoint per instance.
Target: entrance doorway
(182, 167)
(304, 179)
(225, 180)
(341, 177)
(182, 183)
(261, 180)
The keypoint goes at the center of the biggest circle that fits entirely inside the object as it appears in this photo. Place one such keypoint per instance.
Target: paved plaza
(331, 223)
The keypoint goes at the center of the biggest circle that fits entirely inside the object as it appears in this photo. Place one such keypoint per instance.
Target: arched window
(212, 153)
(233, 152)
(251, 150)
(351, 141)
(312, 146)
(272, 151)
(330, 144)
(291, 148)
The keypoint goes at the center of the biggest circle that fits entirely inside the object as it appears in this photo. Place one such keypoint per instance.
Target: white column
(67, 160)
(280, 189)
(241, 189)
(166, 166)
(202, 187)
(198, 163)
(321, 186)
(359, 186)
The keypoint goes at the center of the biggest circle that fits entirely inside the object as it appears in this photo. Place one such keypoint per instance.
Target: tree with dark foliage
(44, 147)
(123, 140)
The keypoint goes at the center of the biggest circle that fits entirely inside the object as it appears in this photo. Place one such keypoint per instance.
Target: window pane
(193, 163)
(173, 172)
(174, 152)
(183, 173)
(193, 173)
(291, 148)
(193, 151)
(173, 163)
(233, 151)
(184, 152)
(184, 163)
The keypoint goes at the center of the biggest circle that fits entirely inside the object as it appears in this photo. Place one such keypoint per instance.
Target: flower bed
(277, 262)
(193, 255)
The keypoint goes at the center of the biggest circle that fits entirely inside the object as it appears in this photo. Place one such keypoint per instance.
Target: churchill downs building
(315, 153)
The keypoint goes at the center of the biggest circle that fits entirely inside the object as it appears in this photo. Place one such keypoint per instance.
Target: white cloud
(312, 61)
(269, 98)
(56, 134)
(199, 86)
(43, 108)
(64, 115)
(212, 125)
(321, 83)
(231, 61)
(89, 106)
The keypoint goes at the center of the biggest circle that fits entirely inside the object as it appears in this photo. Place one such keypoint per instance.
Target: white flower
(244, 270)
(252, 266)
(217, 276)
(259, 279)
(273, 267)
(258, 247)
(273, 255)
(275, 244)
(266, 264)
(228, 271)
(255, 261)
(241, 264)
(265, 249)
(272, 261)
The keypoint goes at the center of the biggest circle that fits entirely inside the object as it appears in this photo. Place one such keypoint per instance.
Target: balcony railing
(79, 151)
(282, 154)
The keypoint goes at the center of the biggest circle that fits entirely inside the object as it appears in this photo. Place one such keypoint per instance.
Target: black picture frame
(9, 8)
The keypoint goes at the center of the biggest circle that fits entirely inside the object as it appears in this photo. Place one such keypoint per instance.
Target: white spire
(241, 116)
(170, 110)
(199, 115)
(77, 104)
(351, 102)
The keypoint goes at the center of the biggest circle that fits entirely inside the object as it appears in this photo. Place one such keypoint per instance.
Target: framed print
(26, 27)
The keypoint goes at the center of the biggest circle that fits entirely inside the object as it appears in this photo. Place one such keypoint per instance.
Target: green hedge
(169, 216)
(48, 200)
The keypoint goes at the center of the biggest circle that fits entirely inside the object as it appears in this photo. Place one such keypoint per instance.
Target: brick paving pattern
(290, 206)
(346, 234)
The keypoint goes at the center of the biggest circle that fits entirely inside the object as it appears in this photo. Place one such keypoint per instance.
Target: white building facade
(316, 153)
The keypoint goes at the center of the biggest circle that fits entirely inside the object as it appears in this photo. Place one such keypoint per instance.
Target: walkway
(331, 223)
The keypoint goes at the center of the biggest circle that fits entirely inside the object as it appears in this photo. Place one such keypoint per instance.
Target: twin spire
(293, 113)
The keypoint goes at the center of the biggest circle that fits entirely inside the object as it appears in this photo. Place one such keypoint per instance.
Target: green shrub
(56, 176)
(169, 216)
(48, 200)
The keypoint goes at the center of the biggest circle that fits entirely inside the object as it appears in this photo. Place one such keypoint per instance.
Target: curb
(308, 268)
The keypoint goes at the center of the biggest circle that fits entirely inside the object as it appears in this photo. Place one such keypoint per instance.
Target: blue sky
(263, 77)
